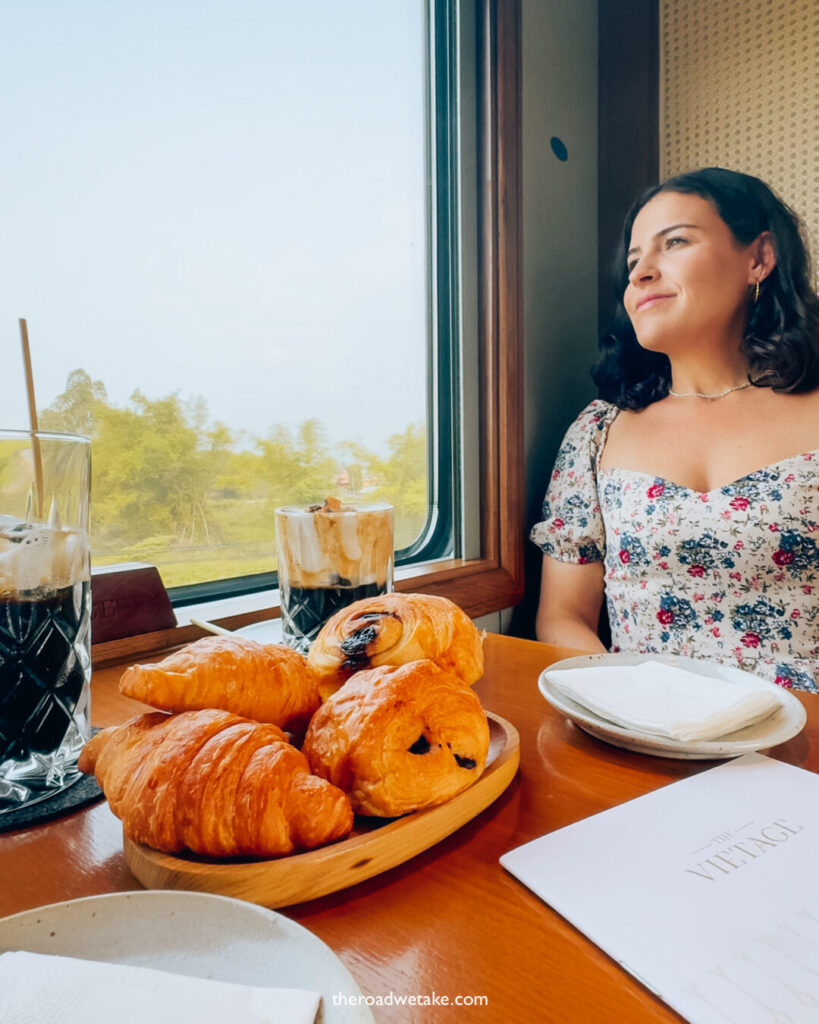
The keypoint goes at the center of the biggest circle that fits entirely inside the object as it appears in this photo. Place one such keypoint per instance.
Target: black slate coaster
(82, 791)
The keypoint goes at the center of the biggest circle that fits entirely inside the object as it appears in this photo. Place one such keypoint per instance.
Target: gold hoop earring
(756, 293)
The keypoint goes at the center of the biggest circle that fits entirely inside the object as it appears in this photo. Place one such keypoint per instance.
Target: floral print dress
(731, 575)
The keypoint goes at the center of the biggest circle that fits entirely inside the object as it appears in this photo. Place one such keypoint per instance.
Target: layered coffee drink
(329, 556)
(45, 665)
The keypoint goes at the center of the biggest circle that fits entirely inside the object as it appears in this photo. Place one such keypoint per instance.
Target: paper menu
(707, 890)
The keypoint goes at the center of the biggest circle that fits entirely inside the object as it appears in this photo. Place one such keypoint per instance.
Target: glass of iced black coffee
(329, 556)
(45, 613)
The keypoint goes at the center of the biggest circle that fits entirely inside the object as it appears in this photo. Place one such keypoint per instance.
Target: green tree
(77, 408)
(298, 469)
(166, 478)
(403, 477)
(362, 466)
(154, 471)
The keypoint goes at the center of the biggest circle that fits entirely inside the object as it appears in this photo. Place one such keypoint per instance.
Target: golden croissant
(398, 738)
(214, 783)
(393, 630)
(266, 682)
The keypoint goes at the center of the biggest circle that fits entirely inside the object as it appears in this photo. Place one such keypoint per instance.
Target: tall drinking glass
(329, 556)
(45, 612)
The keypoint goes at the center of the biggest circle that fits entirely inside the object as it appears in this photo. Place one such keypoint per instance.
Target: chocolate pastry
(399, 738)
(392, 630)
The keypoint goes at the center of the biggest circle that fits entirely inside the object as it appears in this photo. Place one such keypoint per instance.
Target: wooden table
(451, 921)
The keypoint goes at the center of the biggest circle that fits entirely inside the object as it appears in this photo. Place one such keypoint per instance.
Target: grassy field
(180, 567)
(251, 548)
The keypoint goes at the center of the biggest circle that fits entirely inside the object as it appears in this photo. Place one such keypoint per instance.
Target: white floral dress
(730, 575)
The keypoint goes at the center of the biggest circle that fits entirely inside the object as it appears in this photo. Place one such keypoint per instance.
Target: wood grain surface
(449, 921)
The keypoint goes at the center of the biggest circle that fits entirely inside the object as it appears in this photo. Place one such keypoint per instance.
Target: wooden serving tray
(371, 849)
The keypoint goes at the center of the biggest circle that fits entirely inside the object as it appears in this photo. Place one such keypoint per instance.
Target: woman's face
(689, 278)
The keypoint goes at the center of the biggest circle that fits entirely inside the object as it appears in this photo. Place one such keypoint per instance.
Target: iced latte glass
(45, 612)
(329, 556)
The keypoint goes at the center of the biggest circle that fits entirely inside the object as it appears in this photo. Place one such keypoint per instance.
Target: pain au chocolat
(265, 682)
(399, 738)
(214, 783)
(392, 630)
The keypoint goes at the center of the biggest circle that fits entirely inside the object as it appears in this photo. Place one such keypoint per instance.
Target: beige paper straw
(32, 417)
(211, 627)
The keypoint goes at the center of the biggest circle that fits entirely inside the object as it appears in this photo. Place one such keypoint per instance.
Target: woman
(688, 494)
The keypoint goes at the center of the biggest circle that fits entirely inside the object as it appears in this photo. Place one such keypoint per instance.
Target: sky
(218, 199)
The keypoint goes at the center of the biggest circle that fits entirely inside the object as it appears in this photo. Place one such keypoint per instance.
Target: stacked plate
(197, 935)
(672, 706)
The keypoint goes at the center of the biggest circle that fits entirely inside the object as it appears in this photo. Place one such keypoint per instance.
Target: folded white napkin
(42, 989)
(666, 701)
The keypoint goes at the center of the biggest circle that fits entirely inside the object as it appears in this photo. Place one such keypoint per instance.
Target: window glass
(217, 231)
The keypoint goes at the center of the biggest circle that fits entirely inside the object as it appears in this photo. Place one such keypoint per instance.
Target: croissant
(214, 783)
(266, 682)
(399, 738)
(392, 630)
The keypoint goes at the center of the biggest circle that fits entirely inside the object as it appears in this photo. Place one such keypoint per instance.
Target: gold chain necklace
(719, 394)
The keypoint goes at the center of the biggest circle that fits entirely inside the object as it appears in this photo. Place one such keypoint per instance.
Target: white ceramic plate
(267, 632)
(778, 727)
(195, 934)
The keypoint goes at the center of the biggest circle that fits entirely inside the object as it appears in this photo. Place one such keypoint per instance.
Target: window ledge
(477, 586)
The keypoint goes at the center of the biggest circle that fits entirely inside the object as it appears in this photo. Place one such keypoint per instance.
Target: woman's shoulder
(592, 423)
(584, 440)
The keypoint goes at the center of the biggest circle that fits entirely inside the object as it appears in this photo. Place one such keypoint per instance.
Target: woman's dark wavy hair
(781, 339)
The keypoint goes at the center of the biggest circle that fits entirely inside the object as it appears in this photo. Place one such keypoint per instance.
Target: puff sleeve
(572, 528)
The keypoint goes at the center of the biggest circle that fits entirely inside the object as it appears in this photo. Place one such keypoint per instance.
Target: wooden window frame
(495, 580)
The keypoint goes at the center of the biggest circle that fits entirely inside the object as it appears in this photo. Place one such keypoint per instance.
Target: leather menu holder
(126, 600)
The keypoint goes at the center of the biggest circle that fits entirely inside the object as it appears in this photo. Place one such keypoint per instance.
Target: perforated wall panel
(739, 88)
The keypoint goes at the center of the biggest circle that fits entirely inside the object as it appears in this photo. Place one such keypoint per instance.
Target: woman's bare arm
(570, 600)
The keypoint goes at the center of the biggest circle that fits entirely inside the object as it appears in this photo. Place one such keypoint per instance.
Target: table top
(450, 921)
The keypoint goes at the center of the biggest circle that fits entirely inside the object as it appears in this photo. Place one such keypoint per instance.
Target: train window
(234, 239)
